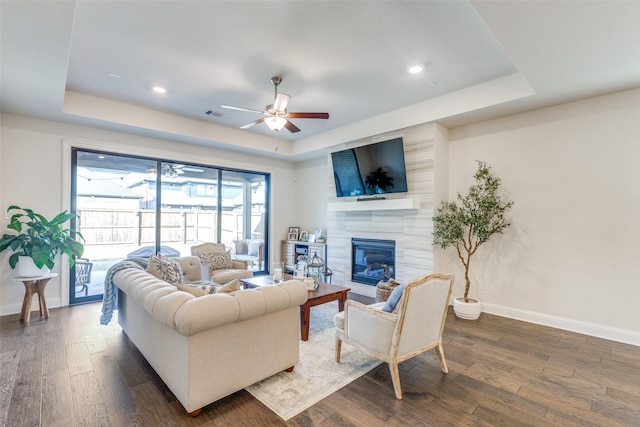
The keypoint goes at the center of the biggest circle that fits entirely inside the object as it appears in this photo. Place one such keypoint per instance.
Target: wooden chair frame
(390, 326)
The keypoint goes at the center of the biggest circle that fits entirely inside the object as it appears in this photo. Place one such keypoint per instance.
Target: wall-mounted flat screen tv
(369, 170)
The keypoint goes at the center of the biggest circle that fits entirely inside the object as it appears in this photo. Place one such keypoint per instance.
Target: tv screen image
(369, 170)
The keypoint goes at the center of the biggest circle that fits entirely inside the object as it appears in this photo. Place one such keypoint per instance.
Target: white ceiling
(349, 58)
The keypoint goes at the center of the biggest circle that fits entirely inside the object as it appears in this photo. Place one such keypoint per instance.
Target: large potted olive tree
(38, 241)
(467, 223)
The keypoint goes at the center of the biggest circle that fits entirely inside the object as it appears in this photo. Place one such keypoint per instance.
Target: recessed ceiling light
(113, 75)
(415, 69)
(159, 89)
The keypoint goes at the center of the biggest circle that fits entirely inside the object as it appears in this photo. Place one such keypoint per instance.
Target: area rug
(317, 375)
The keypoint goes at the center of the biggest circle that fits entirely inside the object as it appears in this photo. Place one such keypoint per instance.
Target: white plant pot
(467, 310)
(27, 268)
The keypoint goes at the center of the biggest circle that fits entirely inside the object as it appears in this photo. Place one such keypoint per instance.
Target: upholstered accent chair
(237, 269)
(250, 250)
(413, 327)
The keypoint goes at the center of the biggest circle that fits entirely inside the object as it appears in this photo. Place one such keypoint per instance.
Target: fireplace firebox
(372, 260)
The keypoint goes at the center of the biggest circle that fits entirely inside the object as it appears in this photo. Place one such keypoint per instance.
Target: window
(134, 207)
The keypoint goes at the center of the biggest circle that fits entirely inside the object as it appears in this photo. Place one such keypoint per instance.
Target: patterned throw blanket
(110, 297)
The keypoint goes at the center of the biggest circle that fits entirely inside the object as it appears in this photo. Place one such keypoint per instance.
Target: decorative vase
(277, 270)
(467, 310)
(27, 268)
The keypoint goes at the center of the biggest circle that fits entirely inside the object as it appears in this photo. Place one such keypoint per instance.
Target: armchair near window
(414, 326)
(236, 269)
(251, 251)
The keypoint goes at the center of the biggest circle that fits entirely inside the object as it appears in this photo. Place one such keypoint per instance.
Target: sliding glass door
(132, 207)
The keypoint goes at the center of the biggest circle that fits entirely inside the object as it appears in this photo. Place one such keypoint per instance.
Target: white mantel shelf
(406, 203)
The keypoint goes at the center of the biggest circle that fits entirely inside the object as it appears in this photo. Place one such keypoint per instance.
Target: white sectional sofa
(208, 347)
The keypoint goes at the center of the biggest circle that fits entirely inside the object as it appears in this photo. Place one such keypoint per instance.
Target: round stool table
(34, 285)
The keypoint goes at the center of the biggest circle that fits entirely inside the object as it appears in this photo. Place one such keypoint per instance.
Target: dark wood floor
(68, 370)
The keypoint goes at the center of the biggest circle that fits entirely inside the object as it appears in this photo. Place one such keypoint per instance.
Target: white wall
(34, 173)
(310, 196)
(572, 257)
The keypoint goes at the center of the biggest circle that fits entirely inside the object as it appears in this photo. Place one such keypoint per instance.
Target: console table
(34, 285)
(292, 249)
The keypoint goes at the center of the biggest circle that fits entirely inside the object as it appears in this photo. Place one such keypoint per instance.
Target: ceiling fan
(276, 114)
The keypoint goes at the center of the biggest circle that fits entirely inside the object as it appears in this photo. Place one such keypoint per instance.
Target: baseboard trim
(9, 309)
(591, 329)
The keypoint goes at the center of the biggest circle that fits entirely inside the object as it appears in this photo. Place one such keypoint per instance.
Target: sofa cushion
(166, 269)
(196, 290)
(192, 269)
(224, 276)
(216, 260)
(201, 289)
(338, 319)
(231, 286)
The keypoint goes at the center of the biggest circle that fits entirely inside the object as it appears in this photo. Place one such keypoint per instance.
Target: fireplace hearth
(372, 260)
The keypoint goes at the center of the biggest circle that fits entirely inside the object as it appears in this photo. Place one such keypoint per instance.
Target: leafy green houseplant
(472, 219)
(39, 238)
(379, 180)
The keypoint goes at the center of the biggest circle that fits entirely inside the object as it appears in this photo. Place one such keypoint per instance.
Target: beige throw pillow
(166, 269)
(229, 287)
(202, 289)
(197, 290)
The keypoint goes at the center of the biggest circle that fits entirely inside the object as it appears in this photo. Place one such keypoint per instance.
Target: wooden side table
(34, 285)
(325, 293)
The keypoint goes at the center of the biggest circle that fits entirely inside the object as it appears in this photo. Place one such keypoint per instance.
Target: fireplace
(372, 260)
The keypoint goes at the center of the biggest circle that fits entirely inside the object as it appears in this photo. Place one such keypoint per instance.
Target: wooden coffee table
(325, 293)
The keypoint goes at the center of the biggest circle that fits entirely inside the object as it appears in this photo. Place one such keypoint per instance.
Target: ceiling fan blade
(309, 115)
(281, 102)
(253, 123)
(251, 110)
(291, 127)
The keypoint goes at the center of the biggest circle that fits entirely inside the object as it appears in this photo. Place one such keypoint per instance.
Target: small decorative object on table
(310, 283)
(301, 270)
(383, 289)
(278, 270)
(293, 234)
(315, 267)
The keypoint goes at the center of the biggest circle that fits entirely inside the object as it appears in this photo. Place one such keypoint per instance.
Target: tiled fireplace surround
(410, 228)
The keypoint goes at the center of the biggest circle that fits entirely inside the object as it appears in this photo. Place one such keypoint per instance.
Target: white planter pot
(27, 268)
(467, 310)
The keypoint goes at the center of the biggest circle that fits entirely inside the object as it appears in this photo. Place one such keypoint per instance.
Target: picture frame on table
(304, 236)
(318, 235)
(293, 234)
(311, 238)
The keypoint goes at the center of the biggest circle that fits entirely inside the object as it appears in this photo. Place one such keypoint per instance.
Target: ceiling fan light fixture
(276, 114)
(275, 123)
